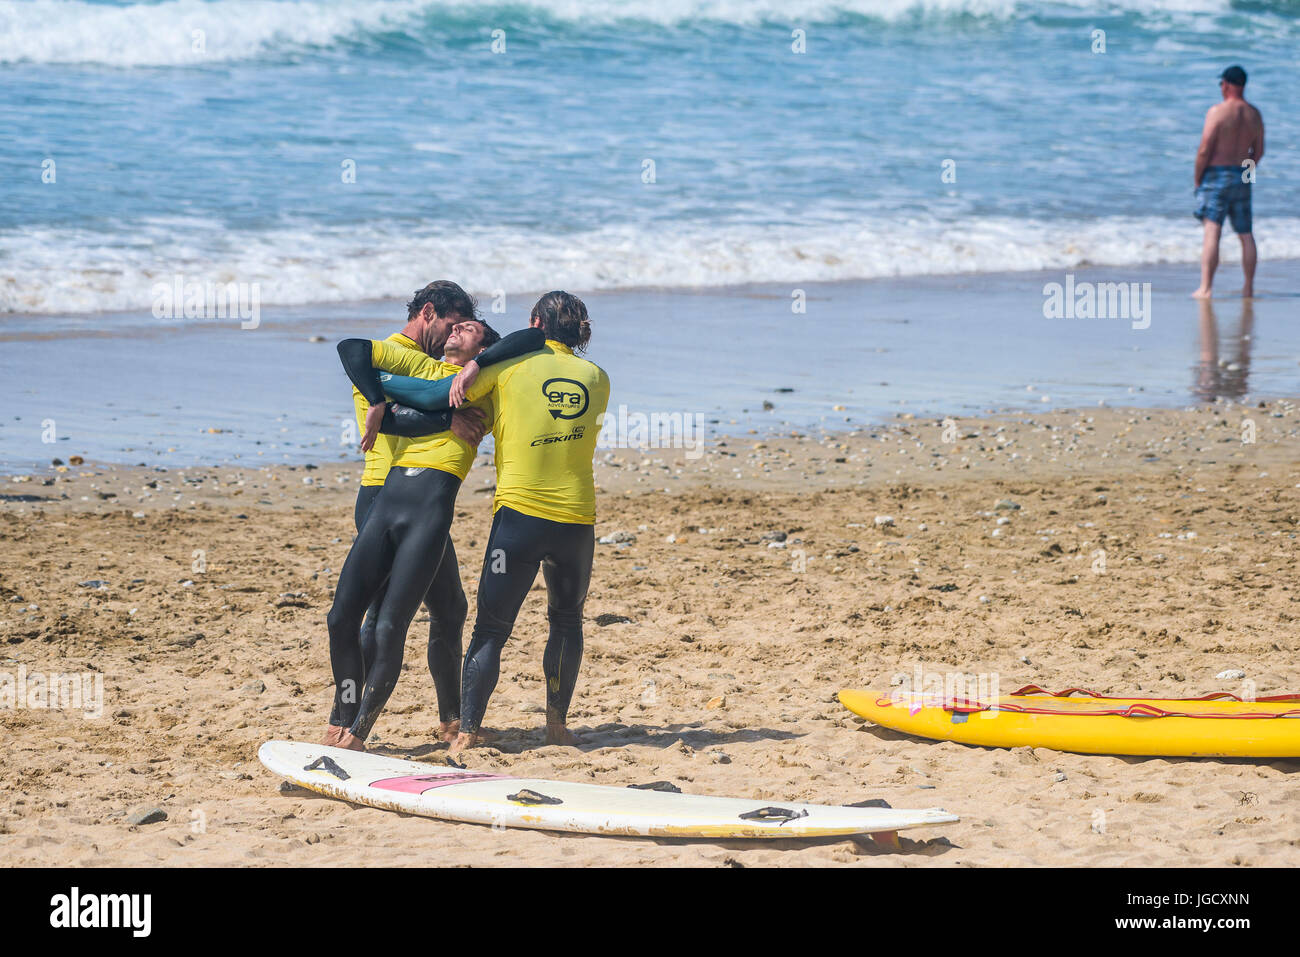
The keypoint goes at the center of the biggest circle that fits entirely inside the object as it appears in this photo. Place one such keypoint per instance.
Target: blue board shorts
(1222, 193)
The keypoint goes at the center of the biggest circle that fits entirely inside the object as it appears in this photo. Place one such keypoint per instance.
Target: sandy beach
(764, 576)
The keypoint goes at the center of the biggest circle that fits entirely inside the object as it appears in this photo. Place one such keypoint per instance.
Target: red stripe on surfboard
(419, 783)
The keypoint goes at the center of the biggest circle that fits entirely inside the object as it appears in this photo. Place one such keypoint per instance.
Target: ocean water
(208, 139)
(731, 360)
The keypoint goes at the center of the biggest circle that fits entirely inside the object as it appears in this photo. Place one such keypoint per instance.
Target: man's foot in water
(333, 734)
(351, 742)
(1203, 293)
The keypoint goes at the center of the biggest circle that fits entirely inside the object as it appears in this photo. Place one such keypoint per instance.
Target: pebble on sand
(147, 815)
(1232, 674)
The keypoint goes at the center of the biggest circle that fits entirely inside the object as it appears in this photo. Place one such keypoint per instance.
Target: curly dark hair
(447, 299)
(490, 336)
(564, 319)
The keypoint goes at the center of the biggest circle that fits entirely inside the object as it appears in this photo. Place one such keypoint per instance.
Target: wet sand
(764, 576)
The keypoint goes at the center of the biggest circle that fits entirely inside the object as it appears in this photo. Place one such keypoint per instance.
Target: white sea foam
(163, 34)
(65, 271)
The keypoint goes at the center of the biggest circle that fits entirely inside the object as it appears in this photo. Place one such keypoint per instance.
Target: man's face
(436, 329)
(464, 341)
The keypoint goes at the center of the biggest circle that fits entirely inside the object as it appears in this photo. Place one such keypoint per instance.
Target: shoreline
(735, 360)
(350, 308)
(1039, 445)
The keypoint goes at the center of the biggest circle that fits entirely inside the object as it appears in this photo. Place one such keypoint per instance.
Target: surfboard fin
(326, 763)
(872, 802)
(782, 814)
(532, 797)
(667, 786)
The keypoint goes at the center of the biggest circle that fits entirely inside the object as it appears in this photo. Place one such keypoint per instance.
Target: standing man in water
(1232, 144)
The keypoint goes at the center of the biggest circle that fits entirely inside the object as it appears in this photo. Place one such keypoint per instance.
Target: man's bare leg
(1248, 257)
(448, 730)
(1209, 259)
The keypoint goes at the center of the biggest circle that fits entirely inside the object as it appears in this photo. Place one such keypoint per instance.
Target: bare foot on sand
(449, 731)
(351, 742)
(333, 734)
(464, 741)
(557, 733)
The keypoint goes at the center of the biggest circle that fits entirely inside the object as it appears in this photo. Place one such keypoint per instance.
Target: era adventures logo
(567, 398)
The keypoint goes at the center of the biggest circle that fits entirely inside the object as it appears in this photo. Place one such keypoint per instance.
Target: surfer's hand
(464, 379)
(374, 419)
(469, 424)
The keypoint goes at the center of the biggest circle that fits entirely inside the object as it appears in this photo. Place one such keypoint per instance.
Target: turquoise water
(208, 140)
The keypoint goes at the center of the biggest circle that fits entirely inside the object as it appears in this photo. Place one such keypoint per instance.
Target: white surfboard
(484, 797)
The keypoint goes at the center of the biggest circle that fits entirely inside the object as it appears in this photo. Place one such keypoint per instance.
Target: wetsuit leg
(517, 545)
(402, 540)
(366, 495)
(567, 571)
(448, 608)
(363, 575)
(509, 567)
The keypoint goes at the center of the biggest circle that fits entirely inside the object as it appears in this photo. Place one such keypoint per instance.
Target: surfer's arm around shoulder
(516, 344)
(360, 358)
(409, 423)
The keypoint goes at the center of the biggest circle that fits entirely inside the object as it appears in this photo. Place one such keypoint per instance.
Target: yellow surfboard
(1218, 726)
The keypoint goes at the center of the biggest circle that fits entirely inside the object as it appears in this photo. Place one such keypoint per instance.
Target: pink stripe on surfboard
(419, 783)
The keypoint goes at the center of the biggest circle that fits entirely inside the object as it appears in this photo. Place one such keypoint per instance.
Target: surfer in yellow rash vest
(547, 409)
(402, 545)
(431, 313)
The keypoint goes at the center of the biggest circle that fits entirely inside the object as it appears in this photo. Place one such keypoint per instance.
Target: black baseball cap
(1234, 75)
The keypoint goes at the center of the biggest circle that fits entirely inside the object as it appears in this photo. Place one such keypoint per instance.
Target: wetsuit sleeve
(403, 421)
(431, 395)
(390, 357)
(355, 356)
(516, 344)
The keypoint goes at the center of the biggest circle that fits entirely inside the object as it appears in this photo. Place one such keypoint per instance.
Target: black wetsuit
(517, 545)
(545, 505)
(444, 601)
(401, 547)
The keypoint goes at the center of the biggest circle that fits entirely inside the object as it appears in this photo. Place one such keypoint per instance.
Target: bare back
(1234, 131)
